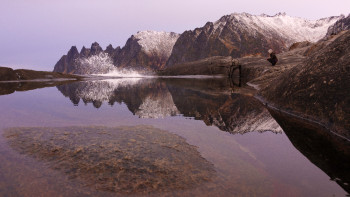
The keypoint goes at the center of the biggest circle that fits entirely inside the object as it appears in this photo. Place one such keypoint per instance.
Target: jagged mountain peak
(156, 42)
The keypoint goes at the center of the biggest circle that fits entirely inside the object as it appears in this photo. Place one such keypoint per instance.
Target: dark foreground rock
(317, 89)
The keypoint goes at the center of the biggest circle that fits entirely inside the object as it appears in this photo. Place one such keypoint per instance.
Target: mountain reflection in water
(159, 137)
(208, 100)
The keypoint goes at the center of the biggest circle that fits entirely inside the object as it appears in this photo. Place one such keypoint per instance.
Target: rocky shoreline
(8, 74)
(311, 80)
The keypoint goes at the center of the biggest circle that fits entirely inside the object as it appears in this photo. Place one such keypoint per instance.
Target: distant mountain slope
(242, 34)
(146, 50)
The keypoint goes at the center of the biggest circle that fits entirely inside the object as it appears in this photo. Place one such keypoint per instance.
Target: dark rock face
(84, 52)
(232, 40)
(318, 89)
(65, 64)
(340, 25)
(95, 49)
(69, 63)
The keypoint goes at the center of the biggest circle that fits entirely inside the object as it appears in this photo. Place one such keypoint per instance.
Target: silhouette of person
(273, 59)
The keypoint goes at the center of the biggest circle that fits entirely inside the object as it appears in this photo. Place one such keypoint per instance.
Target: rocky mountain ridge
(242, 34)
(146, 50)
(235, 35)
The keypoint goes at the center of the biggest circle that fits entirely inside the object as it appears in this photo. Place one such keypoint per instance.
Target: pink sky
(35, 34)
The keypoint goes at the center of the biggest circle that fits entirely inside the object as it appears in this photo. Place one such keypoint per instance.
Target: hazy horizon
(36, 34)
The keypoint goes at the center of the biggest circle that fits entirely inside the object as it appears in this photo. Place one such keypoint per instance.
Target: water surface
(153, 137)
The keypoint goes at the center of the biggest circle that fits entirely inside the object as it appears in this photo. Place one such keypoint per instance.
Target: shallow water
(152, 137)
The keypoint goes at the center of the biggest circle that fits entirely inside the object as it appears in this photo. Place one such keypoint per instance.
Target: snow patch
(102, 65)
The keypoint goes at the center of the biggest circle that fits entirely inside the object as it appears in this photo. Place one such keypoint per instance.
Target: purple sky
(35, 34)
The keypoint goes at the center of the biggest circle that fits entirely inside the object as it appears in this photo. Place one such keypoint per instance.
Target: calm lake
(155, 137)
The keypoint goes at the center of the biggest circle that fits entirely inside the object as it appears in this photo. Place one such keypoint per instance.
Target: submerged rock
(128, 160)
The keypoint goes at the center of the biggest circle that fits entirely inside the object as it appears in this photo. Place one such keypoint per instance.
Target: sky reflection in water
(203, 112)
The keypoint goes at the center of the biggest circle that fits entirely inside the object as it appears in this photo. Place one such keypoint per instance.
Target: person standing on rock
(273, 59)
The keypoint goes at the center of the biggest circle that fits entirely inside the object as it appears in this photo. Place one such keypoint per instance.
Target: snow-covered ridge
(157, 43)
(292, 29)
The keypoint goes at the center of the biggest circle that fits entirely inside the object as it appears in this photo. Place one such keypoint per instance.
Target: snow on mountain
(146, 50)
(293, 29)
(241, 34)
(157, 43)
(340, 25)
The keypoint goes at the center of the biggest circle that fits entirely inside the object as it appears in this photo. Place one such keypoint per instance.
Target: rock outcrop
(8, 74)
(340, 25)
(239, 35)
(317, 90)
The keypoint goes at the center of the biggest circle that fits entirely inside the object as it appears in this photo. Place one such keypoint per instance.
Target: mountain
(146, 50)
(235, 35)
(242, 34)
(340, 25)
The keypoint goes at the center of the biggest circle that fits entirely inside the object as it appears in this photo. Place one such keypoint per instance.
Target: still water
(153, 137)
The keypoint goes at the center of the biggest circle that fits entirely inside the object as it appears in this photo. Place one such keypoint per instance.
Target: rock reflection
(234, 113)
(139, 159)
(204, 99)
(11, 87)
(328, 152)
